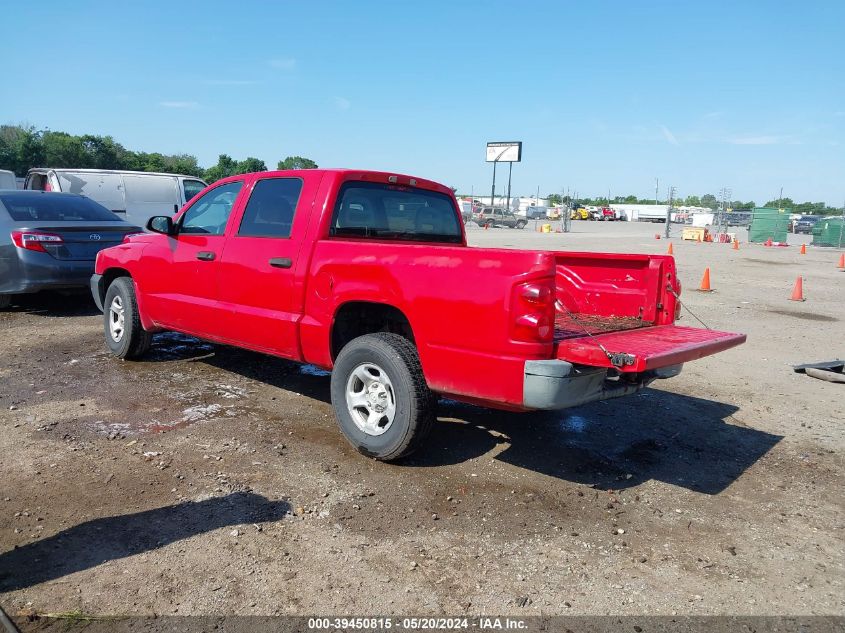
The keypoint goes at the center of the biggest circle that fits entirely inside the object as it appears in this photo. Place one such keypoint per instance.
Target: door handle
(281, 262)
(205, 256)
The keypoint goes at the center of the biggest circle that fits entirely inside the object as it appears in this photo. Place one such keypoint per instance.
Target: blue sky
(746, 95)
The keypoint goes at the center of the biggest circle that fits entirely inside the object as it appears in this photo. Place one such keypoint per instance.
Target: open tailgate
(646, 348)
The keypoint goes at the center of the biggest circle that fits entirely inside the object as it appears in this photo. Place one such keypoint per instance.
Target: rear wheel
(125, 336)
(381, 400)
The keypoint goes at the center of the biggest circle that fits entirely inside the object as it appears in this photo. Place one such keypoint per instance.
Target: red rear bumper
(646, 348)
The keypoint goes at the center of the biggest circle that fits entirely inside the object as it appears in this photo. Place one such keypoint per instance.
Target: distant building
(516, 203)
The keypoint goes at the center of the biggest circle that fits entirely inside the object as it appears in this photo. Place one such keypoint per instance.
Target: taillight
(35, 240)
(533, 312)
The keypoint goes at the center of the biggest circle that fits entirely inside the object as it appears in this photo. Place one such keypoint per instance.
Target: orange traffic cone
(669, 251)
(705, 281)
(798, 290)
(842, 261)
(736, 245)
(803, 249)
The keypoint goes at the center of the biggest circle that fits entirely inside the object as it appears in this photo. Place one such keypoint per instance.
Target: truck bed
(568, 326)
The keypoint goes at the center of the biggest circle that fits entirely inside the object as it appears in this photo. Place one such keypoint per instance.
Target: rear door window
(397, 212)
(271, 207)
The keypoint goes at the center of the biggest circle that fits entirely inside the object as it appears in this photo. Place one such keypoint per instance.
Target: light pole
(493, 192)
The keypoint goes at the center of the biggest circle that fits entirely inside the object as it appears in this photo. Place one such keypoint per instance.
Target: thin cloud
(229, 82)
(667, 134)
(283, 63)
(754, 140)
(341, 103)
(713, 115)
(180, 105)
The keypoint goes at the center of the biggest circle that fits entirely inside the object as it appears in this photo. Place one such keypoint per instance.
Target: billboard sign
(504, 152)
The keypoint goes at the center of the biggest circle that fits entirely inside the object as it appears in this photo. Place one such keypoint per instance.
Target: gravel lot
(208, 480)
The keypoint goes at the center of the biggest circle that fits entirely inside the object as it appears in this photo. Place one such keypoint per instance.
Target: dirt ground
(208, 480)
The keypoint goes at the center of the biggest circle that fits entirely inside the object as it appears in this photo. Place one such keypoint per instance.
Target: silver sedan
(50, 240)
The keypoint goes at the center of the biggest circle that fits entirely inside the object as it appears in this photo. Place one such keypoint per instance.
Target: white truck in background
(135, 196)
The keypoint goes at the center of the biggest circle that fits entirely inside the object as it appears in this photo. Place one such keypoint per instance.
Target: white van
(7, 179)
(135, 195)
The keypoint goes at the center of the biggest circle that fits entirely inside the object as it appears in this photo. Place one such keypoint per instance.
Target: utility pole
(656, 187)
(566, 211)
(669, 211)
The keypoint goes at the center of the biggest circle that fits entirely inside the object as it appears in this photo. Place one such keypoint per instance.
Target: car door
(261, 273)
(180, 278)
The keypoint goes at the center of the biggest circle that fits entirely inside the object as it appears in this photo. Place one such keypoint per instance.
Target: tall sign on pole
(503, 152)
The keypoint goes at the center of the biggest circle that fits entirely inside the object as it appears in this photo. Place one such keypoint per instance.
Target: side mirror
(161, 224)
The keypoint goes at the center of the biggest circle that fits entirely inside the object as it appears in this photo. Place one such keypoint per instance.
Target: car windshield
(27, 207)
(395, 212)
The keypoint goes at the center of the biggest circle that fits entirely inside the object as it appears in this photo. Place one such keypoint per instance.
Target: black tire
(135, 340)
(5, 301)
(415, 404)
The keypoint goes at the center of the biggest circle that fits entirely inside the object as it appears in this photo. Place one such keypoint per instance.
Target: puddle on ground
(574, 424)
(313, 370)
(173, 346)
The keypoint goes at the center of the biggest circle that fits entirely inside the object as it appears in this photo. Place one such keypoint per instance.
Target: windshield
(395, 212)
(26, 207)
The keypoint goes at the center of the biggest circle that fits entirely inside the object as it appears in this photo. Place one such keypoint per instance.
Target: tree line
(22, 148)
(708, 201)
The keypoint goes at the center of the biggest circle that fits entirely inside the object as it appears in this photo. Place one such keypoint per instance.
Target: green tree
(249, 165)
(555, 199)
(183, 164)
(781, 203)
(692, 201)
(224, 168)
(104, 152)
(709, 200)
(63, 150)
(29, 151)
(296, 162)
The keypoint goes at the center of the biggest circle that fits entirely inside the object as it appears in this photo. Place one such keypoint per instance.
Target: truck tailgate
(646, 348)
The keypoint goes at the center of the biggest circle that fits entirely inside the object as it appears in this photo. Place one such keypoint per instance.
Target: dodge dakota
(368, 274)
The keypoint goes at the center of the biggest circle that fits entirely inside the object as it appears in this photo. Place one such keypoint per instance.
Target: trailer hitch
(620, 359)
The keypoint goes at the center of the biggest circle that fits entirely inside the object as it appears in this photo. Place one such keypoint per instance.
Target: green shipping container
(768, 224)
(829, 232)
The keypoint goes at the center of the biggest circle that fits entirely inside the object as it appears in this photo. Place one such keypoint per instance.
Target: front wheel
(380, 397)
(125, 336)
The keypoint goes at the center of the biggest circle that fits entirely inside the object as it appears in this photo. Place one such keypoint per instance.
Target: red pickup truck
(369, 275)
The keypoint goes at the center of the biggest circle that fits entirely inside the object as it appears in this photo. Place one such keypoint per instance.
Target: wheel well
(357, 318)
(108, 277)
